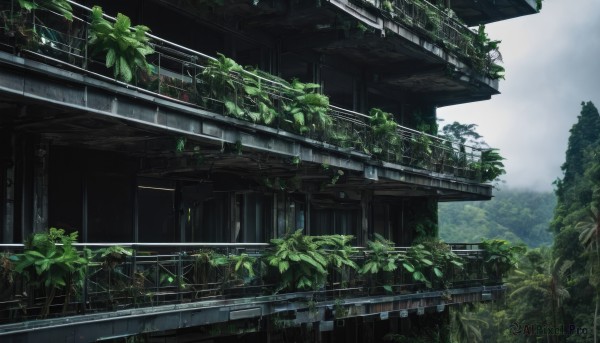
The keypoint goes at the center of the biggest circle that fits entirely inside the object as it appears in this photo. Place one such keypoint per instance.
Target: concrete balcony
(415, 47)
(168, 287)
(482, 12)
(55, 91)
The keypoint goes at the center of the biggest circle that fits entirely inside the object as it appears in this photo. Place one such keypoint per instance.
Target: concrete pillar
(316, 333)
(365, 204)
(308, 213)
(41, 155)
(7, 190)
(84, 206)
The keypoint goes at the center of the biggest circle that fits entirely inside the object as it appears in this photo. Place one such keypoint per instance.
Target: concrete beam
(92, 327)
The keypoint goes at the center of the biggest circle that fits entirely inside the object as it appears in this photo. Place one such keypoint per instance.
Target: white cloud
(552, 64)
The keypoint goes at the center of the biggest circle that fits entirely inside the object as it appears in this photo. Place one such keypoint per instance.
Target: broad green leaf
(283, 266)
(111, 57)
(427, 262)
(409, 267)
(254, 116)
(125, 70)
(27, 5)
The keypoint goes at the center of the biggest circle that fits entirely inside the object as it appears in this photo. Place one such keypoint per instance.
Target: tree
(539, 289)
(574, 190)
(575, 218)
(466, 326)
(589, 236)
(462, 134)
(590, 239)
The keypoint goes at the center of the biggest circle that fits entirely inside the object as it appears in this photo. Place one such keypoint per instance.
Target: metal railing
(177, 75)
(442, 26)
(155, 274)
(435, 22)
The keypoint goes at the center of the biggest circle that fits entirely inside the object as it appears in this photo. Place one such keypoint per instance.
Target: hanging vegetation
(385, 138)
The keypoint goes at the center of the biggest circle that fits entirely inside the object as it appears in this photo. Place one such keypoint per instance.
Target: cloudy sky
(552, 62)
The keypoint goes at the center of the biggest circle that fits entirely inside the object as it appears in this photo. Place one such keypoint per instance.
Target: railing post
(85, 48)
(179, 275)
(133, 262)
(84, 290)
(158, 73)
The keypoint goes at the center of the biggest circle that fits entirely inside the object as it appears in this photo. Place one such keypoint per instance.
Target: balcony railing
(442, 27)
(177, 76)
(155, 274)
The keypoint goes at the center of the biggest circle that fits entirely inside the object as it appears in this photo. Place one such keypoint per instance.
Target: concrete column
(307, 217)
(84, 206)
(7, 158)
(232, 217)
(365, 204)
(316, 332)
(40, 185)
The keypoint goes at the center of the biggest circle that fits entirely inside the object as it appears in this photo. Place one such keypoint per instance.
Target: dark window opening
(338, 86)
(294, 67)
(110, 210)
(254, 217)
(157, 215)
(328, 221)
(65, 192)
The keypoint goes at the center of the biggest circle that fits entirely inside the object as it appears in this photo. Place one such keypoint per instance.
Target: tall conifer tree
(578, 192)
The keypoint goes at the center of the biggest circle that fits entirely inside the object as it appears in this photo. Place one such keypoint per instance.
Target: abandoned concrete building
(227, 124)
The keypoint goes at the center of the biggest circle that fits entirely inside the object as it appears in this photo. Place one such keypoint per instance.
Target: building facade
(247, 120)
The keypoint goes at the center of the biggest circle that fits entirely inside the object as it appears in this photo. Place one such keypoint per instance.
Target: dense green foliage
(246, 93)
(576, 223)
(458, 136)
(537, 290)
(426, 261)
(518, 216)
(557, 288)
(302, 261)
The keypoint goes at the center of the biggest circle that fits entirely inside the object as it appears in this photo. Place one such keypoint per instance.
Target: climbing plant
(385, 138)
(485, 53)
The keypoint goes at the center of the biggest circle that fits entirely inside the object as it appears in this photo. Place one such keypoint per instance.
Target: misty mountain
(515, 215)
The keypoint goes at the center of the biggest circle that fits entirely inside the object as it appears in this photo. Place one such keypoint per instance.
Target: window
(254, 217)
(157, 215)
(329, 221)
